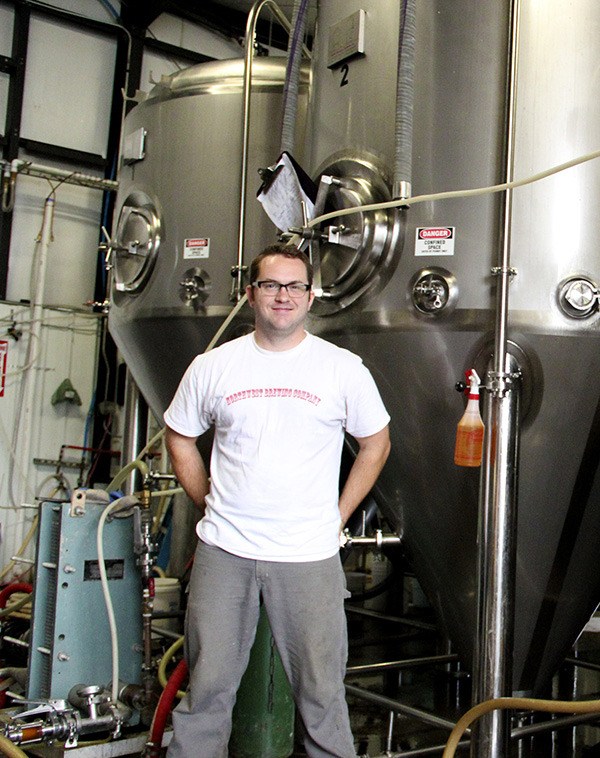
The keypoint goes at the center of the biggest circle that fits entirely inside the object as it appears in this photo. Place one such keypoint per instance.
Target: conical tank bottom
(436, 503)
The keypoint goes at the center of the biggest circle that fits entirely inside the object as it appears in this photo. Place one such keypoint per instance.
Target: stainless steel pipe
(498, 486)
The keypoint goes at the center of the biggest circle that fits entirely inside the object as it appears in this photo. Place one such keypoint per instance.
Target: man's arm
(372, 454)
(188, 465)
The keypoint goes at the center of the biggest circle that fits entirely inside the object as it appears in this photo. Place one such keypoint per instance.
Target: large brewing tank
(177, 232)
(418, 306)
(421, 329)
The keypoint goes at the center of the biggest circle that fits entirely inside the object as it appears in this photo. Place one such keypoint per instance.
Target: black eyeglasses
(271, 288)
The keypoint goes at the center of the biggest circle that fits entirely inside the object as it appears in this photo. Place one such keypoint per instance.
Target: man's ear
(250, 295)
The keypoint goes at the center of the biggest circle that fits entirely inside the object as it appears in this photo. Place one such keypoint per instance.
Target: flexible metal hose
(292, 76)
(404, 102)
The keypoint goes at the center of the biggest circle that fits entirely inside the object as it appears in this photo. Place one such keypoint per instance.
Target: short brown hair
(288, 252)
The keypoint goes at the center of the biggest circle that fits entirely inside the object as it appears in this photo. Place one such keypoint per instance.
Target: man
(280, 401)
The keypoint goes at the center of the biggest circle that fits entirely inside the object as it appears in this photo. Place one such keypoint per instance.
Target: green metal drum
(263, 717)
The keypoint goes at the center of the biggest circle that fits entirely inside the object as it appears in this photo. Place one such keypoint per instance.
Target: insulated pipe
(498, 487)
(292, 76)
(18, 166)
(29, 395)
(401, 187)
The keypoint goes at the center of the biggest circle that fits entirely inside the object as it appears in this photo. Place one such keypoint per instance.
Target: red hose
(11, 589)
(163, 708)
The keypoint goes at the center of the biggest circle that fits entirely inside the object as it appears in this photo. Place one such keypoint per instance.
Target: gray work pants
(304, 604)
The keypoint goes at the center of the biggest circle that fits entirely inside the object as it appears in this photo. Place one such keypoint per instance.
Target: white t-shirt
(279, 421)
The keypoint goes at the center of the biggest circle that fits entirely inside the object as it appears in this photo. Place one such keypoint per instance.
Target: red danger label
(441, 233)
(435, 240)
(196, 247)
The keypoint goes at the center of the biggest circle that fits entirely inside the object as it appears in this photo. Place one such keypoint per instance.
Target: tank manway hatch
(356, 254)
(137, 243)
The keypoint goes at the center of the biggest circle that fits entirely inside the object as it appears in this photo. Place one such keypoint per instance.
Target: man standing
(280, 401)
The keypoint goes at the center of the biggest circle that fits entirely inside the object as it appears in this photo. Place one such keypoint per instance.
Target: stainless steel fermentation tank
(413, 292)
(177, 229)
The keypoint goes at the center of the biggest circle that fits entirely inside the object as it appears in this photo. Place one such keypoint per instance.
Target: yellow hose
(15, 606)
(8, 748)
(23, 547)
(162, 666)
(124, 473)
(508, 703)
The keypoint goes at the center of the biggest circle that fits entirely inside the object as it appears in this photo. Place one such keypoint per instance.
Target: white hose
(114, 640)
(456, 193)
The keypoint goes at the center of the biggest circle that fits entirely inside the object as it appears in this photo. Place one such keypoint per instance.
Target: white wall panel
(6, 31)
(68, 86)
(66, 348)
(189, 36)
(89, 8)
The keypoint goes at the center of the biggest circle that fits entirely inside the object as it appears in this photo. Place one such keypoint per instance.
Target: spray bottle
(469, 432)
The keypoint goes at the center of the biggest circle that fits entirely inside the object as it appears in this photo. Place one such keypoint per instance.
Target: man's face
(280, 315)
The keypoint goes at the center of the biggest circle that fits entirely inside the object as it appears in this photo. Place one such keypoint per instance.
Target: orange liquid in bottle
(469, 441)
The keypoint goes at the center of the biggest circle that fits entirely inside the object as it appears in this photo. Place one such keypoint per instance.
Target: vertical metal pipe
(248, 58)
(135, 432)
(498, 487)
(496, 569)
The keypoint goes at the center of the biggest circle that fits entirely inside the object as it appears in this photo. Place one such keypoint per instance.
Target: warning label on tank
(3, 356)
(434, 240)
(196, 248)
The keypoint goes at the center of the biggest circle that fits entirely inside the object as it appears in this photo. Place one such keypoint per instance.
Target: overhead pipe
(15, 167)
(498, 485)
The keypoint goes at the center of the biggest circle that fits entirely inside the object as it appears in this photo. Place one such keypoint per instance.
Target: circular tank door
(137, 241)
(356, 253)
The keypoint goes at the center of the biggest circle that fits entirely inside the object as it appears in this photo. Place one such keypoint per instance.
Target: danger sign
(198, 247)
(435, 240)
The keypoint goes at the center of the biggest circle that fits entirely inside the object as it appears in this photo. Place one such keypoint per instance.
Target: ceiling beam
(139, 14)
